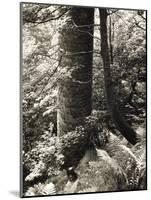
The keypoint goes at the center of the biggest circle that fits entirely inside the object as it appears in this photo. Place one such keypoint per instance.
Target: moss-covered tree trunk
(75, 88)
(118, 119)
(110, 40)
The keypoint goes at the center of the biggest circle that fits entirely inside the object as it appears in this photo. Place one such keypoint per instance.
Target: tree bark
(118, 119)
(74, 90)
(110, 40)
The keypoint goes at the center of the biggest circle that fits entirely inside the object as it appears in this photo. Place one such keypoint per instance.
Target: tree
(75, 88)
(111, 37)
(58, 46)
(118, 119)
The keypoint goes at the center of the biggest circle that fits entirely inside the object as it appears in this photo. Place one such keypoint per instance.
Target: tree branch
(50, 19)
(137, 24)
(140, 13)
(122, 19)
(51, 75)
(113, 11)
(82, 31)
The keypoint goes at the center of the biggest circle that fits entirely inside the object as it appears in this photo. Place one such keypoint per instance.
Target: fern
(41, 189)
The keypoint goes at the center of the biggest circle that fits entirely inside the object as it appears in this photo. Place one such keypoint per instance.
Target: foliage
(107, 175)
(42, 160)
(39, 117)
(49, 155)
(120, 166)
(74, 144)
(130, 61)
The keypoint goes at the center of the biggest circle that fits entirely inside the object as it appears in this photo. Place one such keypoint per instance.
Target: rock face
(115, 168)
(98, 176)
(107, 174)
(75, 87)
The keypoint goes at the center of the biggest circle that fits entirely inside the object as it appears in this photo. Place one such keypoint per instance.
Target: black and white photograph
(83, 105)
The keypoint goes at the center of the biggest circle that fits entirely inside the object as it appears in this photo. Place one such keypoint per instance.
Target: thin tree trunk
(76, 43)
(118, 119)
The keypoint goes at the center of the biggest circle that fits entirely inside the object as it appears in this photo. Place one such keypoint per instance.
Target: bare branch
(83, 26)
(110, 12)
(51, 75)
(82, 31)
(36, 18)
(82, 52)
(137, 24)
(50, 19)
(140, 13)
(39, 79)
(78, 53)
(122, 19)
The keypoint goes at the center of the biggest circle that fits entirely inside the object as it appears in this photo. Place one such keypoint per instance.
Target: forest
(83, 76)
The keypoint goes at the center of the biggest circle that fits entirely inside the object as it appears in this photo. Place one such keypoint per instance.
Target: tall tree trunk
(74, 95)
(110, 40)
(118, 119)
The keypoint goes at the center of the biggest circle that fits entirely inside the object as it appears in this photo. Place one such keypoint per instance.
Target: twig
(78, 53)
(50, 75)
(114, 11)
(50, 19)
(81, 82)
(141, 15)
(82, 31)
(137, 24)
(122, 19)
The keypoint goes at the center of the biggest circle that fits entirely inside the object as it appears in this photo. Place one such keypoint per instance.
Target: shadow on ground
(14, 193)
